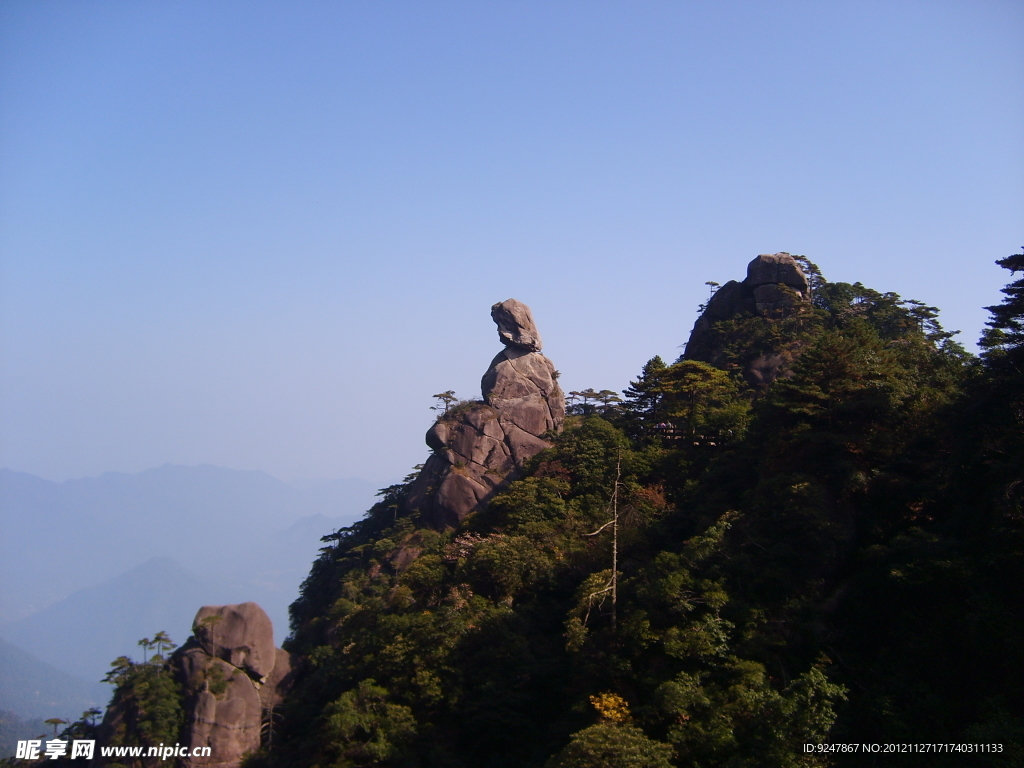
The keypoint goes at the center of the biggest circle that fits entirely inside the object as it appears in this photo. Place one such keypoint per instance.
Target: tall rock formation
(233, 677)
(774, 287)
(480, 447)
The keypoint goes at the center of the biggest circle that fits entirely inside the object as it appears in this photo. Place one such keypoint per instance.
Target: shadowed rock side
(775, 283)
(479, 447)
(233, 677)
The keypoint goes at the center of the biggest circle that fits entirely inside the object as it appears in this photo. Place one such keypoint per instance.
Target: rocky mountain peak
(232, 679)
(774, 287)
(232, 676)
(480, 447)
(765, 276)
(776, 268)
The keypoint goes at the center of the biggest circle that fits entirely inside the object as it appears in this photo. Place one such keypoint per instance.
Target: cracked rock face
(478, 448)
(233, 676)
(774, 285)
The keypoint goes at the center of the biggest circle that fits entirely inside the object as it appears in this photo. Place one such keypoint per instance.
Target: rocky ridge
(479, 447)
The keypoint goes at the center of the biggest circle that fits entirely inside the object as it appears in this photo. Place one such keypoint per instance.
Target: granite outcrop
(233, 677)
(479, 447)
(775, 286)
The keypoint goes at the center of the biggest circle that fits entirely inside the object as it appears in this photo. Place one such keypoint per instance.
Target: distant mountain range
(33, 689)
(84, 632)
(14, 729)
(88, 567)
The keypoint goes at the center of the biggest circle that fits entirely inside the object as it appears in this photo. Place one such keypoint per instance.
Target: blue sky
(262, 234)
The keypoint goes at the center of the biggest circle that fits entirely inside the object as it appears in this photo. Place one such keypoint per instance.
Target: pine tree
(1005, 331)
(642, 397)
(146, 706)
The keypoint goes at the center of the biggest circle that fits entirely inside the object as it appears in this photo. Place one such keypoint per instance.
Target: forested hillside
(714, 571)
(837, 558)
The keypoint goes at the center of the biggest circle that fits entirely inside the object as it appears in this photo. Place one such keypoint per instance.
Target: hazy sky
(262, 234)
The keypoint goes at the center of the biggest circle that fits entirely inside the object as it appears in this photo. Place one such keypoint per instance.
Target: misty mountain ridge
(114, 522)
(30, 688)
(90, 566)
(85, 631)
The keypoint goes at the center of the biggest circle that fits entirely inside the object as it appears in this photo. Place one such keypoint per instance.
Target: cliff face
(479, 448)
(233, 677)
(775, 286)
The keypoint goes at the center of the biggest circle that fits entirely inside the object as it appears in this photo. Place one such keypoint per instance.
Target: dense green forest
(705, 573)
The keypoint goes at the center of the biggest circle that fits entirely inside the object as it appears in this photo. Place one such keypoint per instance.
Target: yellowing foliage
(611, 707)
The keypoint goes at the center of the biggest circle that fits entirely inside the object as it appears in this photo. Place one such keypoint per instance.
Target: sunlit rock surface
(233, 678)
(479, 447)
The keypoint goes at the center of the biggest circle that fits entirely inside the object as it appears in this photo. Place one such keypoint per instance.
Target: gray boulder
(515, 325)
(241, 635)
(775, 269)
